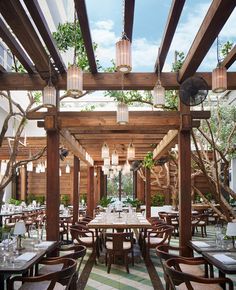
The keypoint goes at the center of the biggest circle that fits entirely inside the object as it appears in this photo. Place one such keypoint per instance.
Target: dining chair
(182, 280)
(199, 220)
(59, 280)
(165, 252)
(119, 245)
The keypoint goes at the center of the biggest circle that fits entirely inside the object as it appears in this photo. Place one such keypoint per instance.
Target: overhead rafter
(172, 22)
(75, 147)
(212, 24)
(168, 141)
(42, 26)
(129, 18)
(17, 19)
(230, 58)
(105, 81)
(2, 69)
(81, 10)
(15, 48)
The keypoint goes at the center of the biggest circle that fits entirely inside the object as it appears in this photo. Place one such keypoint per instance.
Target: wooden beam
(148, 192)
(90, 191)
(15, 48)
(129, 18)
(166, 144)
(2, 69)
(17, 19)
(105, 81)
(42, 26)
(171, 25)
(81, 10)
(212, 24)
(75, 147)
(230, 58)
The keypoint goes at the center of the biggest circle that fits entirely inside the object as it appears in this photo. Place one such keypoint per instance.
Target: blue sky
(105, 18)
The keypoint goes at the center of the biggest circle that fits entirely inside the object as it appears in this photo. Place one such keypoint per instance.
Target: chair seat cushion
(192, 269)
(87, 240)
(43, 285)
(126, 245)
(154, 240)
(198, 286)
(49, 268)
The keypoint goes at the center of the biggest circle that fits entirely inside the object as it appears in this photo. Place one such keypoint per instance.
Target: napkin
(119, 223)
(224, 259)
(200, 244)
(26, 256)
(44, 244)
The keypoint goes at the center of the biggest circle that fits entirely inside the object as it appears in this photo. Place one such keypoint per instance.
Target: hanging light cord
(218, 51)
(158, 69)
(122, 86)
(75, 22)
(50, 72)
(124, 36)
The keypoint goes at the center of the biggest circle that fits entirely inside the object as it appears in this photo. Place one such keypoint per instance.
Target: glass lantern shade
(123, 56)
(105, 151)
(219, 80)
(67, 168)
(106, 161)
(75, 80)
(122, 116)
(29, 166)
(49, 95)
(131, 151)
(114, 158)
(158, 94)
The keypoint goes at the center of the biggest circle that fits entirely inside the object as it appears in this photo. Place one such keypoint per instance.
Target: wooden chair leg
(127, 263)
(109, 264)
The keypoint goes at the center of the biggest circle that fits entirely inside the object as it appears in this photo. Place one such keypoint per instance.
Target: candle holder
(19, 230)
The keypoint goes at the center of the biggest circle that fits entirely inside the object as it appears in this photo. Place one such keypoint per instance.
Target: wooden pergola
(85, 132)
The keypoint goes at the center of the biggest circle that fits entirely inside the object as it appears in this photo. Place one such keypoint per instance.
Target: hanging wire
(158, 68)
(124, 36)
(75, 22)
(218, 50)
(122, 86)
(50, 72)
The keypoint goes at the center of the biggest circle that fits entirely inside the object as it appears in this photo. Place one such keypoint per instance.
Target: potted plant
(105, 201)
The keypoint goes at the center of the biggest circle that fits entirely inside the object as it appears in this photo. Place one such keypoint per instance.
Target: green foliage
(105, 201)
(67, 36)
(65, 199)
(38, 198)
(148, 161)
(83, 196)
(4, 229)
(179, 60)
(88, 108)
(14, 201)
(37, 97)
(225, 48)
(157, 199)
(18, 67)
(133, 202)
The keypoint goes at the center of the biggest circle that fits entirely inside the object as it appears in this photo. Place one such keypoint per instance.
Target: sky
(105, 18)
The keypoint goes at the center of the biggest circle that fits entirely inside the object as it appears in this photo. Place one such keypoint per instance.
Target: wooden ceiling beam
(129, 18)
(42, 26)
(75, 147)
(170, 139)
(15, 48)
(171, 25)
(81, 10)
(17, 19)
(230, 58)
(210, 28)
(105, 81)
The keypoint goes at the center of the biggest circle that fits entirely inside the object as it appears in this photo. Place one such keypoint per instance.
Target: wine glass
(34, 235)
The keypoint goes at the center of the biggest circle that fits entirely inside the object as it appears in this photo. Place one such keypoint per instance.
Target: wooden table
(9, 268)
(205, 246)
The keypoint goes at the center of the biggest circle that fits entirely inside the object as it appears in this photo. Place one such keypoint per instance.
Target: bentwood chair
(119, 244)
(59, 280)
(182, 280)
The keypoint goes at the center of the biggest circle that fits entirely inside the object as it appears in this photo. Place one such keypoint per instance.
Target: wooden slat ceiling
(145, 129)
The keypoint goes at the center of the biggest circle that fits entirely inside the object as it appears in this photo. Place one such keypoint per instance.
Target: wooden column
(184, 147)
(120, 185)
(134, 184)
(23, 183)
(96, 187)
(90, 191)
(105, 185)
(53, 186)
(148, 192)
(101, 182)
(140, 188)
(76, 182)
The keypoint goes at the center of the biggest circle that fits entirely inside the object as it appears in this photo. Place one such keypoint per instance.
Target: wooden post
(90, 191)
(23, 183)
(140, 188)
(101, 182)
(76, 176)
(184, 147)
(53, 186)
(120, 185)
(134, 184)
(105, 185)
(148, 192)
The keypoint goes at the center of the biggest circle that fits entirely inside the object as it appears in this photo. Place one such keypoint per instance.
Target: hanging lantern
(49, 95)
(59, 171)
(105, 151)
(105, 170)
(67, 168)
(126, 168)
(74, 80)
(123, 55)
(29, 166)
(158, 94)
(131, 151)
(219, 80)
(114, 158)
(122, 116)
(107, 161)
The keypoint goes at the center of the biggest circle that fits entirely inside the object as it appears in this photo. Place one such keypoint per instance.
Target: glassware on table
(34, 235)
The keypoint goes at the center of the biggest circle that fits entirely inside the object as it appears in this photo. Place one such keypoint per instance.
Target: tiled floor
(138, 278)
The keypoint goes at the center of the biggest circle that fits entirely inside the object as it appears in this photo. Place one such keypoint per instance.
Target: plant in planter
(105, 201)
(65, 199)
(157, 199)
(133, 202)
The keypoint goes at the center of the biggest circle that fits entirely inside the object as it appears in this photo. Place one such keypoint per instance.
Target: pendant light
(105, 151)
(74, 73)
(49, 92)
(67, 168)
(219, 75)
(106, 161)
(29, 166)
(131, 151)
(158, 92)
(122, 116)
(115, 158)
(123, 50)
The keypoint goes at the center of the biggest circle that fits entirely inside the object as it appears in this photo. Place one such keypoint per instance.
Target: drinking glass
(34, 235)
